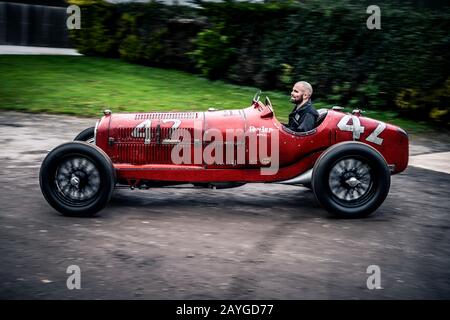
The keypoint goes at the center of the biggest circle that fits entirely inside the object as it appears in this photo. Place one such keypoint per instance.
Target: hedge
(403, 66)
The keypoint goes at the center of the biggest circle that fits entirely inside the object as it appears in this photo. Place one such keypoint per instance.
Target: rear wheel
(351, 180)
(86, 135)
(77, 179)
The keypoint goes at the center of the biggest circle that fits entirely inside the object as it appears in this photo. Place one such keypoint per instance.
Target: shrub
(212, 53)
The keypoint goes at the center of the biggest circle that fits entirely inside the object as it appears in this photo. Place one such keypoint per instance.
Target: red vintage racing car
(347, 159)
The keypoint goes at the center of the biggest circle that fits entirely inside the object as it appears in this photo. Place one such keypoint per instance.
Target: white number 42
(357, 129)
(142, 130)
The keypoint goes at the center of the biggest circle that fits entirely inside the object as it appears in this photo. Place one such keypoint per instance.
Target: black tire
(86, 135)
(77, 179)
(351, 179)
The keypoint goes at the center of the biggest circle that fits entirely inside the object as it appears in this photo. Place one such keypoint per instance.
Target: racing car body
(346, 159)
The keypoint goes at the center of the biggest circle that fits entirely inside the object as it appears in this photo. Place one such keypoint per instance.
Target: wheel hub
(352, 182)
(75, 181)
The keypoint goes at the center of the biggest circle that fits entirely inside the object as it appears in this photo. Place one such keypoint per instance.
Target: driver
(303, 117)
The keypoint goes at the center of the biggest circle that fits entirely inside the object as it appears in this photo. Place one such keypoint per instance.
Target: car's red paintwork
(136, 161)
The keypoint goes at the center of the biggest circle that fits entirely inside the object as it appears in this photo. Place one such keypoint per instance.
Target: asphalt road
(258, 241)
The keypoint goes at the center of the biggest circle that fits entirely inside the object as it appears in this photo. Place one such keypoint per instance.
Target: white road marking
(38, 50)
(432, 161)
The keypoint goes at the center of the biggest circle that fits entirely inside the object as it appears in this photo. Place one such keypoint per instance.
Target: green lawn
(86, 85)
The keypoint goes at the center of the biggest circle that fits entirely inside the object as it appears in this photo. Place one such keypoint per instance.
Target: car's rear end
(390, 140)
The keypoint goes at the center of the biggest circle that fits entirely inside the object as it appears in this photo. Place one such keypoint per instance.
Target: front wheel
(351, 179)
(87, 135)
(77, 179)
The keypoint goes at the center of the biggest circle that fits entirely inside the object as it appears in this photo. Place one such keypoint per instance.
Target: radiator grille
(133, 150)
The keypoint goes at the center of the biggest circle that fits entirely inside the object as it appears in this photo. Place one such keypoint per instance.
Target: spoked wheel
(77, 179)
(351, 179)
(87, 135)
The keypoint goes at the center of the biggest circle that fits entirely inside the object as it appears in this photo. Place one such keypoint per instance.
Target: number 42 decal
(357, 129)
(142, 130)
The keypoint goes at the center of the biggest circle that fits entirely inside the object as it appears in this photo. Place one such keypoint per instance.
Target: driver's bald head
(306, 87)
